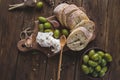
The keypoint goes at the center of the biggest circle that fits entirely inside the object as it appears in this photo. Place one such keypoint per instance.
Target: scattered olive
(41, 27)
(105, 68)
(92, 63)
(103, 62)
(91, 53)
(85, 69)
(102, 73)
(85, 58)
(101, 53)
(47, 25)
(108, 57)
(39, 5)
(65, 32)
(100, 59)
(98, 68)
(95, 57)
(56, 33)
(48, 30)
(42, 19)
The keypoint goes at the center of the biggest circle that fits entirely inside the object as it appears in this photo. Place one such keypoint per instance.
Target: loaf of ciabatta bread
(81, 27)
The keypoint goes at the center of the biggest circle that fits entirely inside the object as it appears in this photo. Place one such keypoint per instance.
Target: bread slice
(58, 11)
(67, 11)
(78, 39)
(88, 24)
(76, 17)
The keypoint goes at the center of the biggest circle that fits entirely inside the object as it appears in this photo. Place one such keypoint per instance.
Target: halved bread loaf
(75, 18)
(67, 11)
(79, 38)
(58, 11)
(88, 24)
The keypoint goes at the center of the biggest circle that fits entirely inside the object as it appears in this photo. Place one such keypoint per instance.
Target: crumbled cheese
(47, 40)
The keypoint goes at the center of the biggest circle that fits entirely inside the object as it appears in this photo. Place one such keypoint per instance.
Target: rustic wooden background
(15, 65)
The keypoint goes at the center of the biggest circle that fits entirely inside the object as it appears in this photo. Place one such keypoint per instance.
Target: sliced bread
(75, 18)
(88, 24)
(79, 38)
(67, 11)
(58, 11)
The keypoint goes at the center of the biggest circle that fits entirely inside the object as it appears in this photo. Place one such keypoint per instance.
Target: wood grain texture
(15, 65)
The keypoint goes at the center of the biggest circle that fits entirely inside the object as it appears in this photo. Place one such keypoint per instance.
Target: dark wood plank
(113, 37)
(51, 69)
(9, 28)
(32, 67)
(68, 66)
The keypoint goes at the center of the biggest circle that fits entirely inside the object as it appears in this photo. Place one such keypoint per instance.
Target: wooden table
(15, 65)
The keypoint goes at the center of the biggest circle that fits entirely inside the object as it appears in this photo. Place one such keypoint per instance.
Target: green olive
(65, 32)
(95, 74)
(91, 53)
(56, 33)
(39, 5)
(108, 57)
(92, 63)
(101, 53)
(47, 25)
(41, 27)
(103, 62)
(100, 59)
(98, 68)
(91, 69)
(105, 68)
(95, 57)
(42, 19)
(85, 69)
(48, 30)
(101, 73)
(85, 59)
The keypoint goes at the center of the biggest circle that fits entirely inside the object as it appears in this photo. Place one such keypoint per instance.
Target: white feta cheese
(47, 40)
